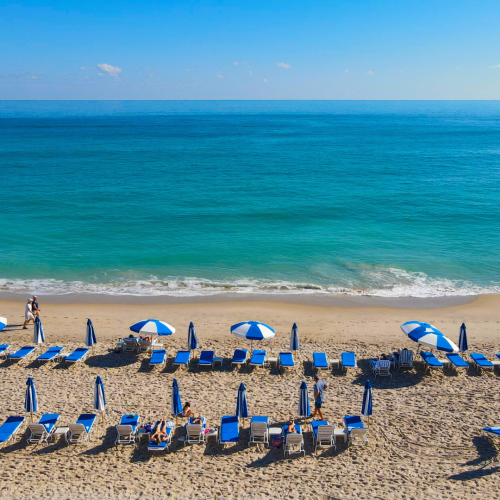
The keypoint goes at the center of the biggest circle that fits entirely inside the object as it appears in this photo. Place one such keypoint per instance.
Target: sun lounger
(23, 353)
(258, 358)
(10, 428)
(77, 356)
(147, 345)
(431, 362)
(131, 344)
(206, 359)
(320, 362)
(229, 431)
(480, 363)
(81, 432)
(456, 361)
(41, 432)
(405, 358)
(381, 367)
(323, 434)
(259, 430)
(3, 350)
(52, 354)
(348, 360)
(126, 430)
(182, 358)
(495, 431)
(240, 357)
(164, 445)
(195, 433)
(294, 441)
(158, 358)
(286, 360)
(357, 434)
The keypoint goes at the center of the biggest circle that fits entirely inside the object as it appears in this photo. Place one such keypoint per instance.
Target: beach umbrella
(304, 409)
(3, 323)
(99, 396)
(30, 401)
(153, 327)
(175, 400)
(192, 338)
(38, 336)
(366, 409)
(252, 330)
(462, 339)
(428, 335)
(241, 403)
(294, 338)
(90, 338)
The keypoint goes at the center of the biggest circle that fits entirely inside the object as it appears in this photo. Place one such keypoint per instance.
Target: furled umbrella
(90, 338)
(30, 401)
(462, 339)
(175, 400)
(192, 338)
(252, 330)
(241, 403)
(99, 397)
(38, 336)
(294, 338)
(3, 323)
(366, 409)
(304, 409)
(153, 327)
(426, 334)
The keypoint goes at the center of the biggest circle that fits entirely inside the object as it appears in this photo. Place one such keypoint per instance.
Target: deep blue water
(388, 198)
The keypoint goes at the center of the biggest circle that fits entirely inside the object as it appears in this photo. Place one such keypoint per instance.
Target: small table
(496, 364)
(272, 361)
(120, 347)
(219, 362)
(335, 363)
(340, 433)
(212, 435)
(143, 436)
(446, 363)
(275, 431)
(60, 431)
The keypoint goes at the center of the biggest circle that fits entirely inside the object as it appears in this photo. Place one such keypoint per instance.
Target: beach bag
(147, 427)
(277, 441)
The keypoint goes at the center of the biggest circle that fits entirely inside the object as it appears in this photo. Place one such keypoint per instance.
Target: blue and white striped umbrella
(38, 336)
(366, 409)
(304, 409)
(294, 338)
(153, 327)
(252, 330)
(241, 402)
(175, 399)
(462, 339)
(90, 338)
(3, 323)
(99, 395)
(192, 338)
(30, 401)
(428, 335)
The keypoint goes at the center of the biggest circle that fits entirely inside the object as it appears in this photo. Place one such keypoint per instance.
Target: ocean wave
(377, 282)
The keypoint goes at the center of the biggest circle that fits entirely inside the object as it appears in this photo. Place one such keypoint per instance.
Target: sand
(425, 432)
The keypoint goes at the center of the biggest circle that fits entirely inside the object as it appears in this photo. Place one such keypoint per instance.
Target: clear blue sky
(233, 49)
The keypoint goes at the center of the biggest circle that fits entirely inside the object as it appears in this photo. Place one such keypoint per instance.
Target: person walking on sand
(28, 314)
(319, 394)
(34, 306)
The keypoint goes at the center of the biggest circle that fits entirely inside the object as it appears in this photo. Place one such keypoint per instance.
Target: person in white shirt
(28, 313)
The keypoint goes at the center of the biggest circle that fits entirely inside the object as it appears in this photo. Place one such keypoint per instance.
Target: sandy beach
(425, 437)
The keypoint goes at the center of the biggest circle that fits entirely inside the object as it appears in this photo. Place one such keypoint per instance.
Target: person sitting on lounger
(186, 410)
(148, 338)
(160, 435)
(197, 420)
(291, 426)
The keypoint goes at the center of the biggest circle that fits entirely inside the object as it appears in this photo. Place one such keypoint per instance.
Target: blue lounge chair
(323, 434)
(229, 431)
(77, 356)
(182, 358)
(164, 445)
(23, 353)
(286, 360)
(126, 430)
(480, 363)
(294, 441)
(10, 428)
(357, 433)
(195, 433)
(240, 357)
(258, 358)
(53, 354)
(319, 361)
(431, 362)
(3, 350)
(403, 359)
(456, 361)
(158, 358)
(348, 360)
(206, 358)
(81, 432)
(42, 431)
(259, 430)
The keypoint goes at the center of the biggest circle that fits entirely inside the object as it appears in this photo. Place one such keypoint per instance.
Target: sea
(189, 198)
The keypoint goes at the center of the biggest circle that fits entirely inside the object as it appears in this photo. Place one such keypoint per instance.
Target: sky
(234, 49)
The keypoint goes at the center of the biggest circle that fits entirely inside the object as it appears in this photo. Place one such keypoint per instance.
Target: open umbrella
(241, 403)
(153, 327)
(366, 408)
(30, 401)
(304, 410)
(175, 400)
(90, 338)
(252, 330)
(192, 338)
(99, 396)
(3, 323)
(38, 336)
(462, 339)
(294, 338)
(426, 334)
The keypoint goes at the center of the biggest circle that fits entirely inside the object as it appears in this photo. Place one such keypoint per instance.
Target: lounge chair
(77, 356)
(258, 358)
(158, 358)
(320, 362)
(431, 362)
(357, 433)
(480, 363)
(240, 357)
(10, 428)
(323, 434)
(164, 445)
(81, 432)
(182, 358)
(206, 359)
(229, 431)
(286, 360)
(348, 360)
(52, 354)
(259, 430)
(195, 433)
(381, 367)
(456, 361)
(492, 430)
(294, 442)
(131, 344)
(23, 353)
(405, 358)
(42, 431)
(146, 345)
(3, 351)
(126, 430)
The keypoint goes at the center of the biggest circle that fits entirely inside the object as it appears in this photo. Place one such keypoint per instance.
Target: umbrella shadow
(486, 450)
(111, 359)
(474, 474)
(399, 379)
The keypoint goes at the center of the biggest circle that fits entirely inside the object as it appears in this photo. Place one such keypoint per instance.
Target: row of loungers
(54, 354)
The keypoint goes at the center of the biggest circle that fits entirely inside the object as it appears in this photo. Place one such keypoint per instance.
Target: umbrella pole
(102, 416)
(176, 420)
(31, 417)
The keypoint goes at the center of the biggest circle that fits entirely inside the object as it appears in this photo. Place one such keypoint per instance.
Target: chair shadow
(112, 359)
(20, 443)
(474, 474)
(104, 444)
(15, 327)
(308, 368)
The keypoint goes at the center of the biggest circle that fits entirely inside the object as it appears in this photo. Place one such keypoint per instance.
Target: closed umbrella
(99, 396)
(462, 339)
(30, 401)
(192, 338)
(294, 338)
(90, 338)
(153, 327)
(3, 323)
(38, 336)
(175, 400)
(252, 330)
(366, 409)
(304, 409)
(241, 403)
(426, 334)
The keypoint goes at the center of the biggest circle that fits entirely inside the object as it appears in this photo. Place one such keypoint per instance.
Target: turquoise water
(186, 198)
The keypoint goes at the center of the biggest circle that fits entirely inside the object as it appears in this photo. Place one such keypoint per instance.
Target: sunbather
(197, 420)
(160, 435)
(186, 410)
(147, 338)
(291, 426)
